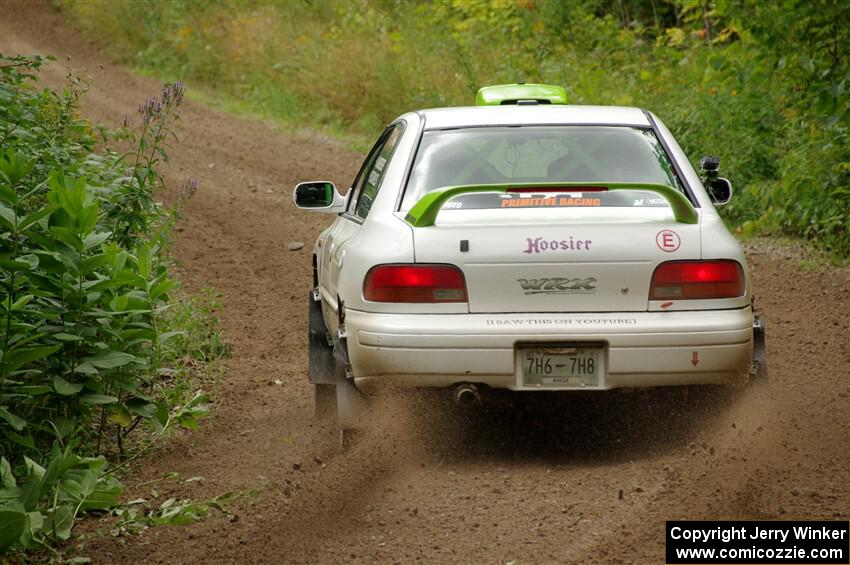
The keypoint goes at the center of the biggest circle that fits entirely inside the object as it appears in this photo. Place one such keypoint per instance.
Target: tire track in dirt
(536, 484)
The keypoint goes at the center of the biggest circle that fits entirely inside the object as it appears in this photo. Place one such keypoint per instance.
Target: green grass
(764, 86)
(227, 103)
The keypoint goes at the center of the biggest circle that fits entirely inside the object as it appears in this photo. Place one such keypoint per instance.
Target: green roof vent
(520, 93)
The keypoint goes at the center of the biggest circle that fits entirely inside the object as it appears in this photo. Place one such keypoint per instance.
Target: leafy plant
(138, 515)
(42, 509)
(84, 295)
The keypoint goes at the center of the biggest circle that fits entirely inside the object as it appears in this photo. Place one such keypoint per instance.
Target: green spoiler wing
(424, 212)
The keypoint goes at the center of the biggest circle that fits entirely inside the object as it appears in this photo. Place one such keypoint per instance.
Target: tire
(341, 406)
(335, 398)
(322, 367)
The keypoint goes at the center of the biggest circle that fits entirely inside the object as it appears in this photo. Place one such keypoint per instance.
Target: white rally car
(529, 245)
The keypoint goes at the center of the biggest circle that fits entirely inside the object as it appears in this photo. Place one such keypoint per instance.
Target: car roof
(543, 114)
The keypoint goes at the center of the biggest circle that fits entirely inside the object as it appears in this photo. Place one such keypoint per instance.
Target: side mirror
(320, 196)
(720, 190)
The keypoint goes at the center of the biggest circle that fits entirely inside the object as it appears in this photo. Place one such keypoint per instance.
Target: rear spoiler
(424, 212)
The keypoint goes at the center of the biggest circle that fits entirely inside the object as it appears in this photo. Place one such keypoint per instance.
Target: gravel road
(589, 479)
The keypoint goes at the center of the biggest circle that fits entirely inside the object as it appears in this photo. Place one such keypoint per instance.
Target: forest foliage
(93, 346)
(764, 85)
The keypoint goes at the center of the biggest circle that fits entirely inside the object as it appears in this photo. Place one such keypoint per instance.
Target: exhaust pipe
(466, 395)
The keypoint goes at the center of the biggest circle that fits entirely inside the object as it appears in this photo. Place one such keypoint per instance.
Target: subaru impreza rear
(528, 245)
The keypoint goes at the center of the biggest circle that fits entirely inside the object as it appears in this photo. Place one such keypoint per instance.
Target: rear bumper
(642, 349)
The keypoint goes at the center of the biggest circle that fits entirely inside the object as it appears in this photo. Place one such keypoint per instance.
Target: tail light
(414, 283)
(691, 280)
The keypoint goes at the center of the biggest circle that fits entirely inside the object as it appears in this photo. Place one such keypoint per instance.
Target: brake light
(414, 283)
(691, 280)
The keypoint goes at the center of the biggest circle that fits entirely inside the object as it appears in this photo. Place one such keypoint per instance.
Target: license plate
(559, 366)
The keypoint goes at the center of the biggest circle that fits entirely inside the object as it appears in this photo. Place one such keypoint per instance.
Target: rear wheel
(341, 405)
(335, 398)
(323, 367)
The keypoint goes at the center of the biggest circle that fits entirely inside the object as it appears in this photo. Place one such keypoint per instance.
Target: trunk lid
(564, 260)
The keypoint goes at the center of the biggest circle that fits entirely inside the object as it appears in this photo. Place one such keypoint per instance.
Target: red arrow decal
(695, 359)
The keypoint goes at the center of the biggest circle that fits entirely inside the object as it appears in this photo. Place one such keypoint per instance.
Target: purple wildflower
(178, 91)
(150, 110)
(189, 188)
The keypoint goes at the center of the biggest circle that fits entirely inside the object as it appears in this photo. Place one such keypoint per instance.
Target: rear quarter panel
(381, 238)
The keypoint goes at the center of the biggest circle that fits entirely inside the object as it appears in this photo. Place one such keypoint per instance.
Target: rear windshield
(503, 155)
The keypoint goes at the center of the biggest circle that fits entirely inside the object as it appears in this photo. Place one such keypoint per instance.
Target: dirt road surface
(587, 480)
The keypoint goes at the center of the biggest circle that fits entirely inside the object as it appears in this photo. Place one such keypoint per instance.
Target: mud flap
(328, 367)
(758, 369)
(321, 363)
(350, 404)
